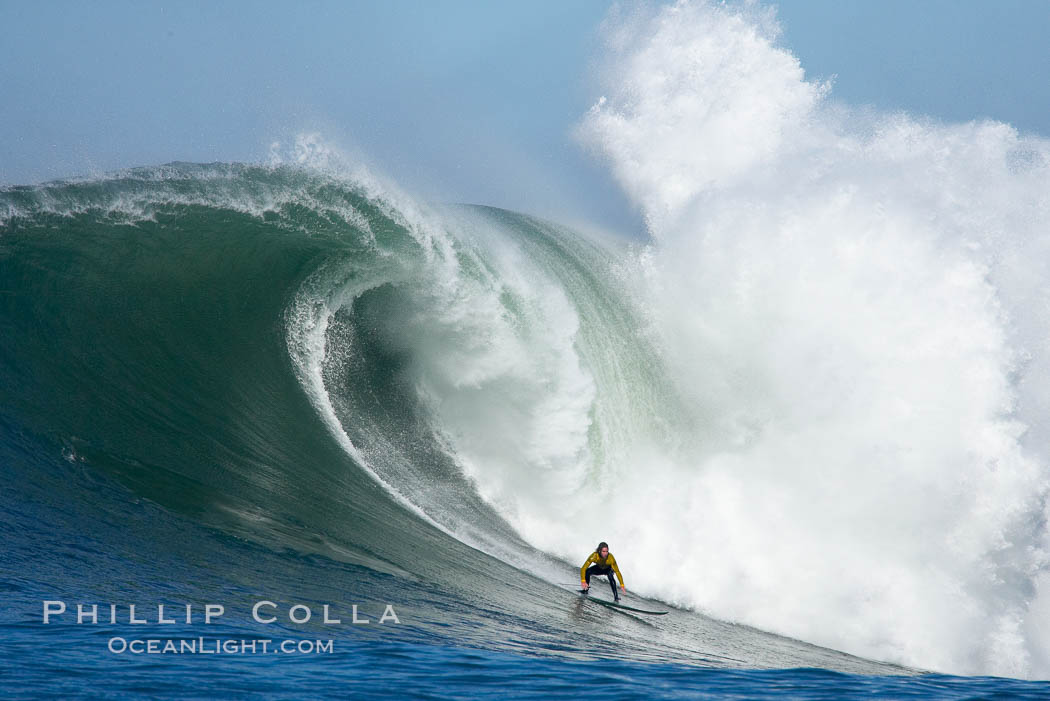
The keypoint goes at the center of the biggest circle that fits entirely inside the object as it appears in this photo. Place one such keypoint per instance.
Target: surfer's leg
(612, 583)
(593, 569)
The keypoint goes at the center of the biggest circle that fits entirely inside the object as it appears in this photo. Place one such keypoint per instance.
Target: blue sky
(458, 101)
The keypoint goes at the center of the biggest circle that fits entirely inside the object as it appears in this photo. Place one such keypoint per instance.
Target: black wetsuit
(598, 570)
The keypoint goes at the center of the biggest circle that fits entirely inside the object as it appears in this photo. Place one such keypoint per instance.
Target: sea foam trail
(853, 306)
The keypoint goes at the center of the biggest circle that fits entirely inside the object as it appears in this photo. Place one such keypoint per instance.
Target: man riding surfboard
(601, 562)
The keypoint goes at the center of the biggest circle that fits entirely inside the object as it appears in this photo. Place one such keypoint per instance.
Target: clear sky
(459, 101)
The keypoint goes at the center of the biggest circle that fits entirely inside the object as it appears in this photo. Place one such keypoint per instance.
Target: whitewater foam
(852, 305)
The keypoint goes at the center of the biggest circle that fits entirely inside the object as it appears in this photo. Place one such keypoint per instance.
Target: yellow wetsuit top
(595, 559)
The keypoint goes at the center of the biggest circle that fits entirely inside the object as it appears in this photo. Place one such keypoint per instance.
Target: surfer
(601, 562)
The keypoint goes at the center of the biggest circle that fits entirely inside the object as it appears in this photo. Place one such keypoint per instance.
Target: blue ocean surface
(235, 385)
(390, 670)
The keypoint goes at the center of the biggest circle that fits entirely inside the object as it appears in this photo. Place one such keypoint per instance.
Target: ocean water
(808, 413)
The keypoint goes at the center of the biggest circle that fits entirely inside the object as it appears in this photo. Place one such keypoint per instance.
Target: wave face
(853, 308)
(291, 382)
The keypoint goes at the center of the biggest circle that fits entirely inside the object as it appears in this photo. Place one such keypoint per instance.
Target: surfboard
(614, 605)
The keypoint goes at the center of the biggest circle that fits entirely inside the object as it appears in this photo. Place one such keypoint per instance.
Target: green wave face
(145, 332)
(283, 352)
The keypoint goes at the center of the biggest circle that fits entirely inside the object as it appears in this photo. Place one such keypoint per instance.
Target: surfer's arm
(583, 570)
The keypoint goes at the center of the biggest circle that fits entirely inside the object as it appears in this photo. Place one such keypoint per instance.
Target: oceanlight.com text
(218, 646)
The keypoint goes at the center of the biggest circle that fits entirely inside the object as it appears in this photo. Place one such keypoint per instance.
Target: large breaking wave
(815, 402)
